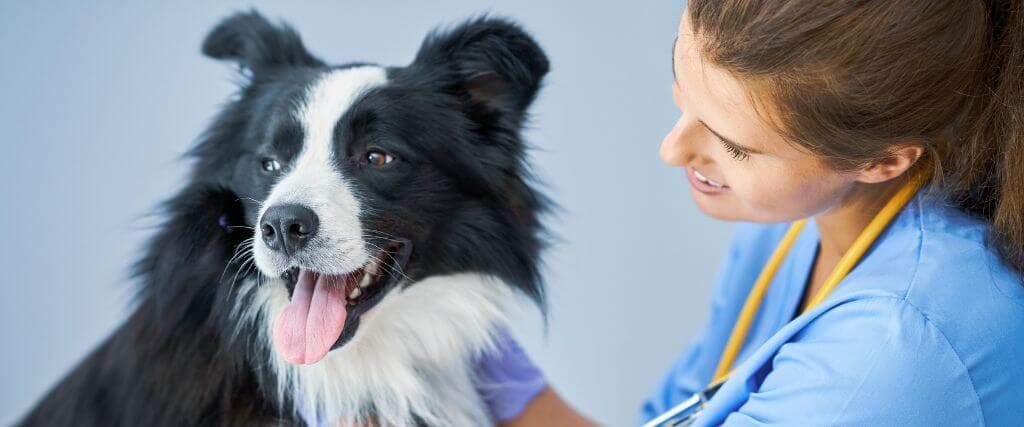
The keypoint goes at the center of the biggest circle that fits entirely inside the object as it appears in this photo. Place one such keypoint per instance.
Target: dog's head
(359, 179)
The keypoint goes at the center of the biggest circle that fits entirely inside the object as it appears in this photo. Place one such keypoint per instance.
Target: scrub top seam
(931, 325)
(967, 372)
(919, 216)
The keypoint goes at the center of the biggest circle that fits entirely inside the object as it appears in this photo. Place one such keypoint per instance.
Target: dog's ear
(255, 44)
(493, 61)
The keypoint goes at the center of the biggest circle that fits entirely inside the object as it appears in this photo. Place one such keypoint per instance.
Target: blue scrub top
(927, 330)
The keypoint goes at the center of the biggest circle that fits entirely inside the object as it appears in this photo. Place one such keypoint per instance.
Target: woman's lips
(704, 184)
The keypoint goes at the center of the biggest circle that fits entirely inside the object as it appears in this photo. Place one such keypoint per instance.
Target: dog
(350, 238)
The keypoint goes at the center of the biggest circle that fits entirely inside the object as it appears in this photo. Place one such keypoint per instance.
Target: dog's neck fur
(410, 362)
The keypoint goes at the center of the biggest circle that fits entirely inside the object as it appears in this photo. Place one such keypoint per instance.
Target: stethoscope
(687, 411)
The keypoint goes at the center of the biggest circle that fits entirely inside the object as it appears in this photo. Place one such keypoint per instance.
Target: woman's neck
(840, 226)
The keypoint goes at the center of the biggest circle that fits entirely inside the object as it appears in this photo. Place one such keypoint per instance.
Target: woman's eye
(736, 153)
(378, 158)
(270, 164)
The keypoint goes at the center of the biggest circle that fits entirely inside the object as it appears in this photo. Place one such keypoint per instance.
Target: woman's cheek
(754, 186)
(772, 198)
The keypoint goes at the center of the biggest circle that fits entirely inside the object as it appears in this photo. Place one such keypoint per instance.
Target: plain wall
(100, 99)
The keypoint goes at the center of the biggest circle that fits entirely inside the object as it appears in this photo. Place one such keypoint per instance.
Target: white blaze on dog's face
(313, 181)
(310, 227)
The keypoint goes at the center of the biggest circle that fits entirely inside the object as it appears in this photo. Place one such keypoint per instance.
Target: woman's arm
(516, 392)
(548, 409)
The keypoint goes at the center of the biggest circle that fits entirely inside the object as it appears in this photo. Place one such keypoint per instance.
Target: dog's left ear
(492, 61)
(255, 44)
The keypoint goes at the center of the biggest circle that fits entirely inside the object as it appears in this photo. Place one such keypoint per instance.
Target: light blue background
(99, 100)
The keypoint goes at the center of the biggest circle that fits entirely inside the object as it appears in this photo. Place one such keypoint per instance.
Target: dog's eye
(378, 158)
(270, 164)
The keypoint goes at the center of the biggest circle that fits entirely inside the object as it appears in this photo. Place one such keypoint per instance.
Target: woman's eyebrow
(729, 141)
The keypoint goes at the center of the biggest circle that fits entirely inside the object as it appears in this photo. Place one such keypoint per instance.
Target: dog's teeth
(355, 293)
(371, 270)
(365, 281)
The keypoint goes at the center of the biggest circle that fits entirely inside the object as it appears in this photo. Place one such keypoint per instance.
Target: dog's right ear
(255, 44)
(496, 64)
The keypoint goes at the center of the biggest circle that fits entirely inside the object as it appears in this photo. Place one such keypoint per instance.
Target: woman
(796, 109)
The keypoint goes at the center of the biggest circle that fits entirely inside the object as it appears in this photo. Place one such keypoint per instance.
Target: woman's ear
(899, 160)
(491, 61)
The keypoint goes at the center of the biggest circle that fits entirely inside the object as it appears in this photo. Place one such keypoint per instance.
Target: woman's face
(738, 167)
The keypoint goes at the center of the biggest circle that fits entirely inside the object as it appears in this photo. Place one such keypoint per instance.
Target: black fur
(460, 192)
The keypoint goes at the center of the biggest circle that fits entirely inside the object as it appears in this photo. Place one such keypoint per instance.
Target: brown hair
(849, 80)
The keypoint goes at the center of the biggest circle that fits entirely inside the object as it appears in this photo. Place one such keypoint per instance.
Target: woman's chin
(728, 207)
(721, 206)
(725, 206)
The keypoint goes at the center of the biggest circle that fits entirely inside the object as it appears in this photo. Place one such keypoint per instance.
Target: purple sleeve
(507, 380)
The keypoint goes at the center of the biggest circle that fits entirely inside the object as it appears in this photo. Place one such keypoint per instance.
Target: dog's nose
(288, 227)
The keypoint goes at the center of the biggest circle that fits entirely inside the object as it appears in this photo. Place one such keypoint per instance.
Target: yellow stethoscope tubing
(846, 263)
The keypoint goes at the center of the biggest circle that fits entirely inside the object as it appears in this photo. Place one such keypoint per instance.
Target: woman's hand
(516, 392)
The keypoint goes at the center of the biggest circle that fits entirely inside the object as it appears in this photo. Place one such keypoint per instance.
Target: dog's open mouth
(325, 309)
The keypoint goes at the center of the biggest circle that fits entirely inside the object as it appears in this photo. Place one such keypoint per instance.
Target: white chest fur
(411, 356)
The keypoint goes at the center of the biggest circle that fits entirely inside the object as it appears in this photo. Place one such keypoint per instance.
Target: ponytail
(986, 175)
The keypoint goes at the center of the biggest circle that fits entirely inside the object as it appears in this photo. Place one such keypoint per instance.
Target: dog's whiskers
(244, 251)
(242, 247)
(240, 198)
(393, 269)
(381, 235)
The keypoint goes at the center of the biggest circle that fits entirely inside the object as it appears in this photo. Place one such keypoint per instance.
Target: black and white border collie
(350, 238)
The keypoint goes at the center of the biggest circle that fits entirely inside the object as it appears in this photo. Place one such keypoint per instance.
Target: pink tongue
(312, 322)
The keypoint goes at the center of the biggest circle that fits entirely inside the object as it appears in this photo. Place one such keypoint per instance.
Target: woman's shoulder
(940, 260)
(936, 274)
(933, 253)
(955, 357)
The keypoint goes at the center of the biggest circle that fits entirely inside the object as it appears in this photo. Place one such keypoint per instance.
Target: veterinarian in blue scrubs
(899, 300)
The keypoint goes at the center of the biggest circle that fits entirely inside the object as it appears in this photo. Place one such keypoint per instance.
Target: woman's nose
(679, 148)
